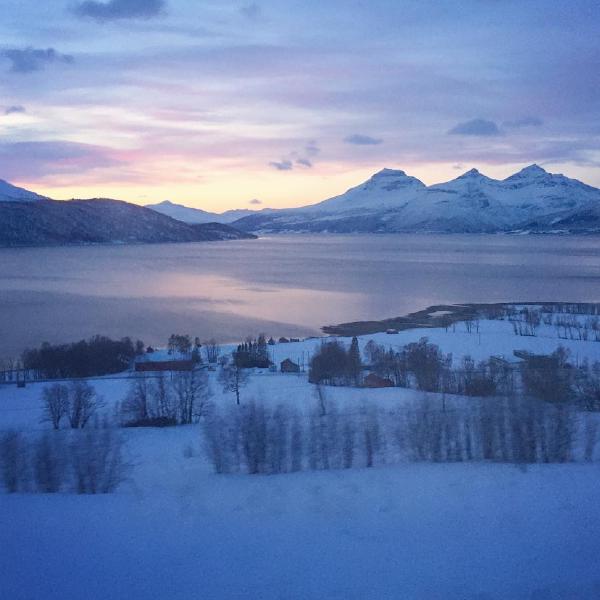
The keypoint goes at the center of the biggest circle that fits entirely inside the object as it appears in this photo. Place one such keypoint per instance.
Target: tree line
(96, 356)
(423, 366)
(84, 462)
(257, 439)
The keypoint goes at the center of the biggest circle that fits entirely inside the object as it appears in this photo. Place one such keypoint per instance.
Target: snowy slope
(183, 213)
(392, 201)
(12, 193)
(416, 531)
(388, 189)
(197, 215)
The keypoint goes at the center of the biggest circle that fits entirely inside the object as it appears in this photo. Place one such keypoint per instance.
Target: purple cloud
(282, 165)
(524, 122)
(304, 162)
(120, 9)
(27, 60)
(362, 140)
(478, 127)
(255, 201)
(17, 108)
(37, 159)
(251, 11)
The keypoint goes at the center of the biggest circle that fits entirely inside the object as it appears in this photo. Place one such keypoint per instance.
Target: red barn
(164, 365)
(372, 380)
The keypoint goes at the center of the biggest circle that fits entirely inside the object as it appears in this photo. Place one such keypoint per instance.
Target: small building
(372, 380)
(163, 365)
(289, 366)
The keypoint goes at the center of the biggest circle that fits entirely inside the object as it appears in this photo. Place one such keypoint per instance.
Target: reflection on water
(283, 284)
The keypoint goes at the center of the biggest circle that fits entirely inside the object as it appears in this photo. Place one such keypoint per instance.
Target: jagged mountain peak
(530, 172)
(533, 169)
(465, 183)
(386, 172)
(392, 201)
(472, 175)
(390, 180)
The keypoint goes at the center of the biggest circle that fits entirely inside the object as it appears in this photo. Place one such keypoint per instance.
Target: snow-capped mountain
(197, 215)
(12, 193)
(392, 201)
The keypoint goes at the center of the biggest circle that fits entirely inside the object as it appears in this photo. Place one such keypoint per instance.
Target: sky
(219, 104)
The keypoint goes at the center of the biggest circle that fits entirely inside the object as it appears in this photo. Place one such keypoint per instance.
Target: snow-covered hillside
(197, 215)
(175, 529)
(392, 201)
(12, 193)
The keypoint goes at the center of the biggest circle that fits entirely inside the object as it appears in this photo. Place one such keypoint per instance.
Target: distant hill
(197, 215)
(46, 222)
(12, 193)
(531, 200)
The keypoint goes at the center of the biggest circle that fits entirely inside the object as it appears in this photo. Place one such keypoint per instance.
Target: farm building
(289, 366)
(373, 380)
(147, 364)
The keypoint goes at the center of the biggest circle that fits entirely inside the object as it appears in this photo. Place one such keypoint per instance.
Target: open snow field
(176, 530)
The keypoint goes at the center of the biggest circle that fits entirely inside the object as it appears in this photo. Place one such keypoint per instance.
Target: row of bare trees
(183, 344)
(552, 378)
(571, 322)
(76, 402)
(159, 400)
(259, 439)
(84, 462)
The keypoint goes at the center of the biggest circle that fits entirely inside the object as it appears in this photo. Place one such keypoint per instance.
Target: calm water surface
(283, 285)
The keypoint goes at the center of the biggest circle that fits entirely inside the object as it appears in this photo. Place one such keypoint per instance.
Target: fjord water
(282, 285)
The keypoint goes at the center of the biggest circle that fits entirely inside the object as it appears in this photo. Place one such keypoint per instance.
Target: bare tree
(217, 441)
(97, 461)
(591, 437)
(212, 351)
(56, 403)
(162, 398)
(49, 463)
(348, 436)
(254, 437)
(84, 402)
(138, 404)
(296, 444)
(179, 343)
(191, 394)
(14, 461)
(233, 378)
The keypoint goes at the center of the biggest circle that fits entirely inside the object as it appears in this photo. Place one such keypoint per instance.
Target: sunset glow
(217, 104)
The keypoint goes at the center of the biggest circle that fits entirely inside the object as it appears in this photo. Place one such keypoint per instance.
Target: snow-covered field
(176, 530)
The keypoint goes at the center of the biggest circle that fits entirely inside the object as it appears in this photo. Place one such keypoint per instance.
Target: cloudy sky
(221, 104)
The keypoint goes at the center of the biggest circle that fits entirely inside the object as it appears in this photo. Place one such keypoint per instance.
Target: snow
(419, 531)
(11, 193)
(197, 215)
(393, 201)
(176, 530)
(21, 408)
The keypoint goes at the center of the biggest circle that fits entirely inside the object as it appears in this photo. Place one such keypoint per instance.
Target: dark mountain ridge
(44, 222)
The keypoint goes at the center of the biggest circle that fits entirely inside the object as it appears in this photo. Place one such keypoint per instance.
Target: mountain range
(28, 219)
(531, 200)
(197, 215)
